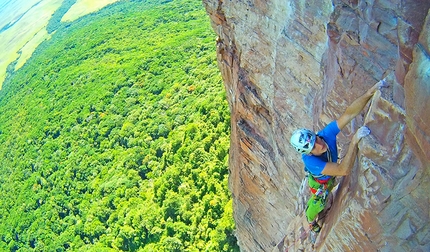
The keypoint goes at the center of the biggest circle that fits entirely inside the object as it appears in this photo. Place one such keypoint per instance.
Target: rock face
(289, 64)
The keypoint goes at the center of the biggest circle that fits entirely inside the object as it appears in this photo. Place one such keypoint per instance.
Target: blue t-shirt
(315, 164)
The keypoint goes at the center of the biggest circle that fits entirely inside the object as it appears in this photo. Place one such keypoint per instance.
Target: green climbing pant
(315, 206)
(318, 200)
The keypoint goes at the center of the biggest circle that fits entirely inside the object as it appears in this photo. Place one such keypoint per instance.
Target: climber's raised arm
(357, 106)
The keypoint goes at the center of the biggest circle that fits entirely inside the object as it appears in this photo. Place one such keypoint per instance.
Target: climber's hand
(378, 86)
(382, 84)
(361, 132)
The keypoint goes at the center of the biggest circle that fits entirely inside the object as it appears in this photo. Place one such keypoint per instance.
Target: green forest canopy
(115, 136)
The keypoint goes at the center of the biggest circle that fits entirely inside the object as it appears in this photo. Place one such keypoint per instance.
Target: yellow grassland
(28, 22)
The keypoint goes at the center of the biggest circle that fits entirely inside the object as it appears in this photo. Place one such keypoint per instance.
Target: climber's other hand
(362, 132)
(378, 86)
(382, 84)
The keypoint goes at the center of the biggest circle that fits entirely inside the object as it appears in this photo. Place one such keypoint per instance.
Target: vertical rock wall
(289, 64)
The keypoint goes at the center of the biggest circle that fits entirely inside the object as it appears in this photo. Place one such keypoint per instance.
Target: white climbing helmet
(303, 140)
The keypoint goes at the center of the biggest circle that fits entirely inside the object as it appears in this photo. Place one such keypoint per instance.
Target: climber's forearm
(357, 106)
(345, 166)
(347, 162)
(354, 109)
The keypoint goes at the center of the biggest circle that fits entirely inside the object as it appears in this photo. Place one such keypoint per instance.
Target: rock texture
(289, 64)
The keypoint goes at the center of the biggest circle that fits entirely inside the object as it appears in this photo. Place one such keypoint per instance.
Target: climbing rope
(303, 235)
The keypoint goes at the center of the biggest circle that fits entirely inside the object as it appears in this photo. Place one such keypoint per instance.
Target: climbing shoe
(315, 227)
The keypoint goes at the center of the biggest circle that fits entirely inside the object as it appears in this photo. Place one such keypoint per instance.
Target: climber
(319, 154)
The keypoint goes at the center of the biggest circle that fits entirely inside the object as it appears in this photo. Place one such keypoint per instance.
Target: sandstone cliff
(289, 64)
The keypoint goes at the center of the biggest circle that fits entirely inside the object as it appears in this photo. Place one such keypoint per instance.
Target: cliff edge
(289, 64)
